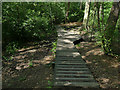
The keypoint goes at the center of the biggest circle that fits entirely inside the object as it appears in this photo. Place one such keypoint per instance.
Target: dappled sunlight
(115, 65)
(29, 64)
(104, 68)
(32, 51)
(87, 61)
(19, 57)
(66, 41)
(47, 59)
(94, 52)
(72, 24)
(104, 80)
(31, 56)
(83, 57)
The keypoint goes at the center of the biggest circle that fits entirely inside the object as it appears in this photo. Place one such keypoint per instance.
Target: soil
(106, 69)
(29, 68)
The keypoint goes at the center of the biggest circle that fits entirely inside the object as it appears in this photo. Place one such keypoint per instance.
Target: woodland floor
(106, 69)
(18, 74)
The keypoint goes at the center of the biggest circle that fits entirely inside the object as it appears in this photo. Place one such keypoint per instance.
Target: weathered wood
(80, 84)
(75, 66)
(88, 75)
(78, 72)
(70, 68)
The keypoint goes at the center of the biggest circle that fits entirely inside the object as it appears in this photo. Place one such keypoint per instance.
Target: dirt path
(104, 68)
(29, 68)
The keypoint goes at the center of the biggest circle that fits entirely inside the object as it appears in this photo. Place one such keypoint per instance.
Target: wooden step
(70, 61)
(71, 66)
(67, 63)
(66, 57)
(79, 75)
(71, 72)
(75, 69)
(67, 54)
(80, 84)
(74, 79)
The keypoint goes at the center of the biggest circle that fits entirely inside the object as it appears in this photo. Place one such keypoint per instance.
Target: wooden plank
(75, 66)
(69, 66)
(65, 60)
(72, 68)
(75, 79)
(72, 72)
(88, 75)
(66, 57)
(67, 63)
(80, 84)
(69, 50)
(71, 61)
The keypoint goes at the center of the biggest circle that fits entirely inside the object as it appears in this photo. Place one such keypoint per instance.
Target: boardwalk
(70, 68)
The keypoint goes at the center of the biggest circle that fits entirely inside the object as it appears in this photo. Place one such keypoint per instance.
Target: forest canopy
(26, 21)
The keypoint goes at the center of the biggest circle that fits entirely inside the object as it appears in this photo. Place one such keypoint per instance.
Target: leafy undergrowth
(30, 67)
(103, 67)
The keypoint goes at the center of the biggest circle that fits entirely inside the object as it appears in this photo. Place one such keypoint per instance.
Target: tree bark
(100, 11)
(67, 12)
(98, 15)
(94, 13)
(87, 5)
(110, 26)
(88, 17)
(80, 5)
(102, 15)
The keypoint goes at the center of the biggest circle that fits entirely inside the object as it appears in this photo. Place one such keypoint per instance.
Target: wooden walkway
(70, 68)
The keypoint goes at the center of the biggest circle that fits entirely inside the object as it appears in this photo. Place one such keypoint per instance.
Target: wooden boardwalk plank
(70, 68)
(88, 75)
(80, 84)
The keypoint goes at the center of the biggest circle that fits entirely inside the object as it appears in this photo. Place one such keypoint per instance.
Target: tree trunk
(80, 5)
(94, 13)
(67, 12)
(100, 11)
(98, 15)
(102, 15)
(87, 5)
(110, 27)
(87, 27)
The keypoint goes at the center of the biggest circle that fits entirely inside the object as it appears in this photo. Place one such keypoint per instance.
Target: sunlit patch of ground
(29, 68)
(103, 67)
(72, 24)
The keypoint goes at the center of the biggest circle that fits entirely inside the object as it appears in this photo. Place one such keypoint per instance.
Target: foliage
(54, 47)
(6, 58)
(28, 21)
(100, 32)
(11, 48)
(75, 14)
(50, 84)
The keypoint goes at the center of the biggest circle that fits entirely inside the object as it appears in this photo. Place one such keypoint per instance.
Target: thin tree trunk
(100, 11)
(88, 18)
(80, 5)
(98, 15)
(102, 15)
(67, 12)
(93, 20)
(87, 5)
